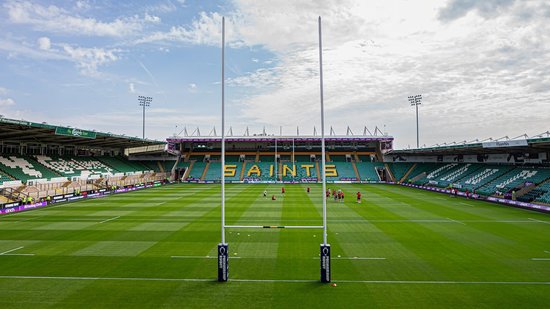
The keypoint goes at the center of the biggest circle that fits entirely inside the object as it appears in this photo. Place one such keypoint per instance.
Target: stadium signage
(13, 121)
(75, 132)
(517, 143)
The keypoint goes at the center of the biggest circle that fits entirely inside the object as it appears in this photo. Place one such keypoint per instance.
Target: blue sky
(482, 66)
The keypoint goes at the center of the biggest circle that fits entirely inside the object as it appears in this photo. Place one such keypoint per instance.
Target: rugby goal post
(223, 247)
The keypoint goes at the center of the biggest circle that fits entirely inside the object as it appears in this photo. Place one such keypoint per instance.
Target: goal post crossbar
(274, 227)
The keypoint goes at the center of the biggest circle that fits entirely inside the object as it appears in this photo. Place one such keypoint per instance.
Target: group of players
(337, 195)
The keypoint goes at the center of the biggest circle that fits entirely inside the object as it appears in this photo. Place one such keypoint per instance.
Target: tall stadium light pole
(144, 101)
(223, 248)
(415, 101)
(325, 247)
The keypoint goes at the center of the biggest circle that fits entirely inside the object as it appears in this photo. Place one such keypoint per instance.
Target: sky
(482, 67)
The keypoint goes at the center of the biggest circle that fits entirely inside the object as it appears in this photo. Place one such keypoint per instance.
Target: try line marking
(8, 252)
(354, 258)
(200, 257)
(457, 221)
(110, 219)
(284, 280)
(540, 259)
(535, 220)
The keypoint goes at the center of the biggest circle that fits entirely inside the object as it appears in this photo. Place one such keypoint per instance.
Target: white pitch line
(457, 221)
(285, 281)
(3, 253)
(354, 258)
(546, 251)
(200, 257)
(540, 221)
(540, 259)
(110, 219)
(467, 204)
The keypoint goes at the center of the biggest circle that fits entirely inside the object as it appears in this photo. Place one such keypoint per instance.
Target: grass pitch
(401, 247)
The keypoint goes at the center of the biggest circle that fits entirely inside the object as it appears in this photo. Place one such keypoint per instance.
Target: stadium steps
(525, 191)
(243, 168)
(161, 168)
(188, 170)
(390, 172)
(327, 157)
(318, 169)
(205, 170)
(399, 169)
(544, 190)
(356, 170)
(409, 171)
(356, 157)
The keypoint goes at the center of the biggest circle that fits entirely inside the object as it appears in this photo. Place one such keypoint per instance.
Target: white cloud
(131, 88)
(82, 5)
(57, 19)
(6, 102)
(44, 43)
(474, 71)
(89, 59)
(192, 87)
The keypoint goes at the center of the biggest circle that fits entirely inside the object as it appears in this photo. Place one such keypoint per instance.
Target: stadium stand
(4, 178)
(214, 171)
(124, 166)
(484, 176)
(543, 193)
(367, 170)
(24, 168)
(453, 176)
(512, 179)
(197, 170)
(75, 166)
(345, 171)
(399, 169)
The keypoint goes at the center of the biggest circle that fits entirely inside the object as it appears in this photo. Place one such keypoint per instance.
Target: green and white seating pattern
(71, 167)
(20, 168)
(441, 170)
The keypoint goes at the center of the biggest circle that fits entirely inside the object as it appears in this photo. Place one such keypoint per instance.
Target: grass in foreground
(400, 248)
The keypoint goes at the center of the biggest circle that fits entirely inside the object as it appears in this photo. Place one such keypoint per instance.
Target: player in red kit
(358, 197)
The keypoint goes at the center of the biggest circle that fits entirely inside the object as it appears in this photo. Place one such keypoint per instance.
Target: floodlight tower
(144, 101)
(415, 101)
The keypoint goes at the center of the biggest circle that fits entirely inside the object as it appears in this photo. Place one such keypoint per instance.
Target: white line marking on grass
(354, 258)
(200, 257)
(457, 221)
(284, 280)
(540, 259)
(467, 204)
(546, 251)
(3, 253)
(114, 218)
(540, 221)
